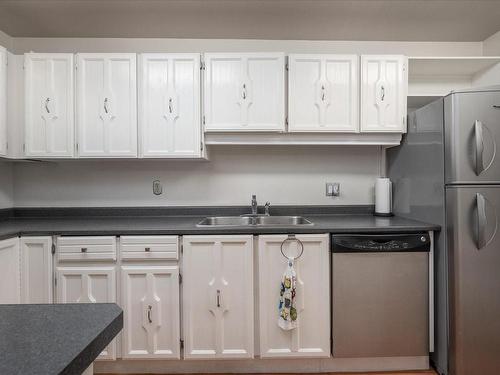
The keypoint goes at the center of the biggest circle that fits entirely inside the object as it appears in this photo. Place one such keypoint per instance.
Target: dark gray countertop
(179, 225)
(55, 339)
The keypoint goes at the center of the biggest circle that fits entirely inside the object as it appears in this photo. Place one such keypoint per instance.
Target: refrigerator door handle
(478, 135)
(481, 221)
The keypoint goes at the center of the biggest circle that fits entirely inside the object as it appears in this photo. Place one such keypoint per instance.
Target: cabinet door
(9, 271)
(312, 336)
(169, 105)
(323, 93)
(218, 297)
(150, 299)
(36, 269)
(3, 101)
(106, 105)
(384, 88)
(49, 115)
(88, 284)
(244, 92)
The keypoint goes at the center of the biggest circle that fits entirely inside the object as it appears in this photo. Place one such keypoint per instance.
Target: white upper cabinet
(169, 105)
(218, 300)
(49, 102)
(244, 92)
(106, 105)
(3, 101)
(384, 87)
(323, 93)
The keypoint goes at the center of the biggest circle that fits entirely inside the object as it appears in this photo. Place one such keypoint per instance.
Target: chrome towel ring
(291, 238)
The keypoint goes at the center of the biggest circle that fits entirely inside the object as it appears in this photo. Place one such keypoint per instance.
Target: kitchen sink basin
(239, 221)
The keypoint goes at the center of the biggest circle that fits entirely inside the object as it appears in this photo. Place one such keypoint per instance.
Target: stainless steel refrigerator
(447, 171)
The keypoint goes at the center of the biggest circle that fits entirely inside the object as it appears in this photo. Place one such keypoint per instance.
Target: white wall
(6, 185)
(6, 41)
(281, 175)
(491, 45)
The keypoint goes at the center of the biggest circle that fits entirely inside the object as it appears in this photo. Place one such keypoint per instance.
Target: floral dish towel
(287, 305)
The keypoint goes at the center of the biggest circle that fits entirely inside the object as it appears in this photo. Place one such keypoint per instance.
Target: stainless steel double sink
(251, 220)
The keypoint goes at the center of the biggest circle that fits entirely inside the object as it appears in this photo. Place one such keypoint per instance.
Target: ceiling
(409, 20)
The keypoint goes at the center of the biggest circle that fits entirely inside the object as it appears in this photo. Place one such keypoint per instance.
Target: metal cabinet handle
(496, 106)
(47, 105)
(83, 249)
(106, 105)
(244, 93)
(170, 105)
(478, 136)
(481, 221)
(323, 93)
(147, 249)
(382, 93)
(218, 298)
(150, 314)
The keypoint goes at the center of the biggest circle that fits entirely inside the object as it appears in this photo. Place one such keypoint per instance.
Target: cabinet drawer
(86, 248)
(149, 247)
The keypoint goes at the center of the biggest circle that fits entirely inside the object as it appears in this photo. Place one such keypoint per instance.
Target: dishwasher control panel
(381, 243)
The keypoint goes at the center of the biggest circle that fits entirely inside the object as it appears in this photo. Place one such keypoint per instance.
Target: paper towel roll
(383, 197)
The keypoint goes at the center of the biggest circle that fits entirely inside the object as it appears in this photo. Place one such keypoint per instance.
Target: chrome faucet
(254, 205)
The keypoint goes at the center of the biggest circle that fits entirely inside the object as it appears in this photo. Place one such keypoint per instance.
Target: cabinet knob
(83, 249)
(147, 249)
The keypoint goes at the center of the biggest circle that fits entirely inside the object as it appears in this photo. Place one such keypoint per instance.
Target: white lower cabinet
(150, 301)
(218, 316)
(88, 279)
(312, 336)
(36, 269)
(88, 284)
(10, 274)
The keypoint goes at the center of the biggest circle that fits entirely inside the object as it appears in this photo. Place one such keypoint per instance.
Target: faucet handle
(266, 208)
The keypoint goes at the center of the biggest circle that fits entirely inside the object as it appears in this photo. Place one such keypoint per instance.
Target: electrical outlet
(157, 187)
(332, 189)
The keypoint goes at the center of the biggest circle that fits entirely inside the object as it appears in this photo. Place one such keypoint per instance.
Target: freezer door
(472, 136)
(474, 254)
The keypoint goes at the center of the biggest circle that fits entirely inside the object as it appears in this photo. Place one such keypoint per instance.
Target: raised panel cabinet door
(218, 316)
(49, 101)
(36, 269)
(169, 105)
(88, 285)
(3, 101)
(323, 93)
(150, 300)
(106, 105)
(10, 278)
(312, 336)
(244, 92)
(384, 89)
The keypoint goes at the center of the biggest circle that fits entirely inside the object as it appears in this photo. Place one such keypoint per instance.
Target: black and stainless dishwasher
(380, 295)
